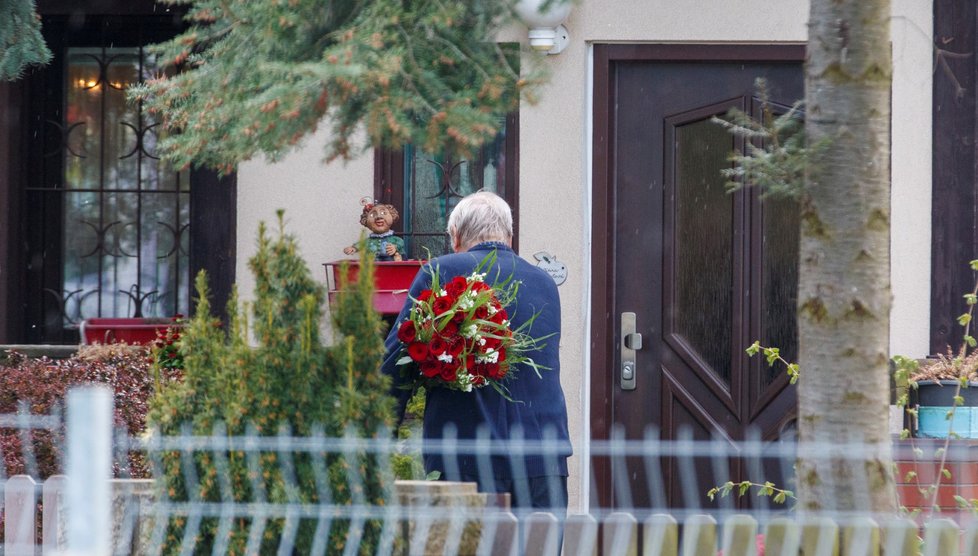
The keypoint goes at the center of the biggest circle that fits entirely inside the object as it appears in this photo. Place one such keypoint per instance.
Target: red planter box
(129, 330)
(391, 281)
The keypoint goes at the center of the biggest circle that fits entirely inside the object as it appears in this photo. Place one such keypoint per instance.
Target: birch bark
(844, 290)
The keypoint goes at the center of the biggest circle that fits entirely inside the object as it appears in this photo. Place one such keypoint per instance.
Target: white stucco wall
(555, 195)
(321, 202)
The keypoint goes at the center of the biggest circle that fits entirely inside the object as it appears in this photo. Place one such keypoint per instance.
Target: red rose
(479, 286)
(442, 305)
(458, 317)
(481, 312)
(456, 286)
(492, 342)
(438, 345)
(407, 332)
(455, 346)
(478, 369)
(495, 371)
(478, 381)
(450, 330)
(499, 317)
(430, 368)
(448, 372)
(424, 295)
(418, 351)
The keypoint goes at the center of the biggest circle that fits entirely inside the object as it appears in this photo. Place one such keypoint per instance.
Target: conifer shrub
(271, 373)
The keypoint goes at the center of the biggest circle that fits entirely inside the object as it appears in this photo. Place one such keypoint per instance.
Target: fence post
(53, 520)
(941, 538)
(20, 503)
(739, 536)
(89, 466)
(699, 536)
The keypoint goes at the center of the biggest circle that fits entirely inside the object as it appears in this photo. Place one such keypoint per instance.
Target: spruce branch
(775, 155)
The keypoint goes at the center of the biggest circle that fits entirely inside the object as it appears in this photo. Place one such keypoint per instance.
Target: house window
(425, 187)
(124, 213)
(102, 227)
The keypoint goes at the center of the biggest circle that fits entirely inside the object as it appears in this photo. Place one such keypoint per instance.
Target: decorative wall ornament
(549, 263)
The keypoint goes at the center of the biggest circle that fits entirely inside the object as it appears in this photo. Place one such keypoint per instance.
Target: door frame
(602, 322)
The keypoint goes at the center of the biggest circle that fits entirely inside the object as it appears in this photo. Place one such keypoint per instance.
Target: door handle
(631, 341)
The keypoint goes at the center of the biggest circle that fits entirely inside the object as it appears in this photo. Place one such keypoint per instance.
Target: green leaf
(946, 473)
(793, 372)
(961, 500)
(780, 497)
(958, 401)
(744, 487)
(911, 475)
(964, 319)
(712, 492)
(753, 349)
(974, 264)
(727, 487)
(433, 476)
(970, 340)
(970, 298)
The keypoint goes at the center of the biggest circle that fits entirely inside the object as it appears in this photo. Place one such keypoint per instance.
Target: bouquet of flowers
(458, 335)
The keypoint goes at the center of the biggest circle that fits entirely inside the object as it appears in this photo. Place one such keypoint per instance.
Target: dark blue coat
(537, 405)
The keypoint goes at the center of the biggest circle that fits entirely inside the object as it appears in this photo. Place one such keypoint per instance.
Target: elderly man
(533, 471)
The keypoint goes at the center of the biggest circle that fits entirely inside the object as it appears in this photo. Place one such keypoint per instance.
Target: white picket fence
(20, 509)
(92, 514)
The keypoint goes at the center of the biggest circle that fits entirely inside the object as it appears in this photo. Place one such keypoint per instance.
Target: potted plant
(945, 395)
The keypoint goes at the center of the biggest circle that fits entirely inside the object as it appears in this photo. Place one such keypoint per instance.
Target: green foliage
(773, 355)
(21, 44)
(777, 495)
(287, 381)
(258, 76)
(775, 155)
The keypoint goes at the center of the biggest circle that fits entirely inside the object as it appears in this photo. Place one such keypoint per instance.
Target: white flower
(490, 356)
(464, 380)
(446, 357)
(477, 276)
(442, 293)
(469, 331)
(467, 301)
(492, 310)
(482, 341)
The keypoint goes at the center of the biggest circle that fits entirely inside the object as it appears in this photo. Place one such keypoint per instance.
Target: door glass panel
(704, 230)
(780, 280)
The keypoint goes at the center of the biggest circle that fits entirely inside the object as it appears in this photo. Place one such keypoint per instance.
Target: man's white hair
(480, 217)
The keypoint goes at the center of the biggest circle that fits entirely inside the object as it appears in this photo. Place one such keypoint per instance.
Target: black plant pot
(935, 400)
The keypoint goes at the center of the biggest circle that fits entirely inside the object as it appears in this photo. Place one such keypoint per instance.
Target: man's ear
(454, 239)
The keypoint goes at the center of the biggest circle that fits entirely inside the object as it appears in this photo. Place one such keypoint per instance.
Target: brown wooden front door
(704, 272)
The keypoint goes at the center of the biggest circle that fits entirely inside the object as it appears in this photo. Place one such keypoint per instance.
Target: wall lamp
(547, 34)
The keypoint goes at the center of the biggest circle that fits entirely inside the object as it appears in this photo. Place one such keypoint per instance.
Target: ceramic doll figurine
(382, 242)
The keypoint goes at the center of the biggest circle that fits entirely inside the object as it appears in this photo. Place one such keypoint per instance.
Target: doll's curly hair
(367, 207)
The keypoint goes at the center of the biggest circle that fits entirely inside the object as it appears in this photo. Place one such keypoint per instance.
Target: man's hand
(349, 250)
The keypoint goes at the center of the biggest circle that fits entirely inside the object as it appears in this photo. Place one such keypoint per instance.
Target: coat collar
(490, 245)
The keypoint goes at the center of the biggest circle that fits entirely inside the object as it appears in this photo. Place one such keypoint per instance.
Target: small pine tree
(289, 382)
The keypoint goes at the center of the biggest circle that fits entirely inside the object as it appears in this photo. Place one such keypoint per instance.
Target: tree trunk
(844, 286)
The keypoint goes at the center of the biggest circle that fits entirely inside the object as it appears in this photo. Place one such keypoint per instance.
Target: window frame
(389, 177)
